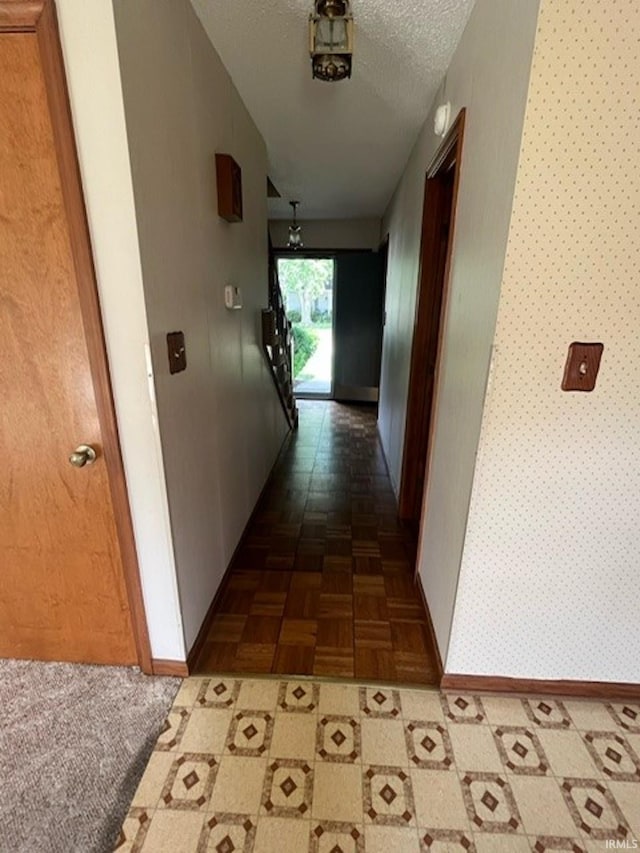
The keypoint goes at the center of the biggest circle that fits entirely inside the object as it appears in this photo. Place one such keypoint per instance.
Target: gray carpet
(74, 741)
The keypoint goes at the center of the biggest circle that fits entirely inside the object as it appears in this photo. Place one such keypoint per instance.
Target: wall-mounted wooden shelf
(229, 179)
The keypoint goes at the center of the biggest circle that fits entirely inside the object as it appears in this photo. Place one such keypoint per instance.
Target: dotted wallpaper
(550, 578)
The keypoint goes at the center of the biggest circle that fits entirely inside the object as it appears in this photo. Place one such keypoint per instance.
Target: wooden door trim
(452, 146)
(39, 17)
(453, 140)
(20, 15)
(449, 152)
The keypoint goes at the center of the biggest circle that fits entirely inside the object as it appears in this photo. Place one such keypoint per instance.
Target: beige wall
(549, 581)
(220, 421)
(88, 38)
(488, 75)
(330, 233)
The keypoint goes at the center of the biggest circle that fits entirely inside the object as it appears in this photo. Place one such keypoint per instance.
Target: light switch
(177, 352)
(581, 369)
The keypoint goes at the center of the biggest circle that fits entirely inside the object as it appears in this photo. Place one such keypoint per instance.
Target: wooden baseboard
(199, 642)
(432, 633)
(609, 690)
(418, 580)
(169, 667)
(386, 461)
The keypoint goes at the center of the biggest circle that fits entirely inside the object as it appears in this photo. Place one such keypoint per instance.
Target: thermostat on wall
(232, 297)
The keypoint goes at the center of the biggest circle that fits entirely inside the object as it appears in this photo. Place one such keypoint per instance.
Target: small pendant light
(295, 232)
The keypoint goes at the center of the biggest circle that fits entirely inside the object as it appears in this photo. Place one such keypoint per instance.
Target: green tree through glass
(307, 278)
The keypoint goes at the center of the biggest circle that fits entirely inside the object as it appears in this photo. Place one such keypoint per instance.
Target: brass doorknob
(83, 455)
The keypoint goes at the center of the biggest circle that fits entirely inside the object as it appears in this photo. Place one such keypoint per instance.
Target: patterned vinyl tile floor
(269, 765)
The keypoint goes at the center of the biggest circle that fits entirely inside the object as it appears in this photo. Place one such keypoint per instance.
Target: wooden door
(437, 228)
(69, 583)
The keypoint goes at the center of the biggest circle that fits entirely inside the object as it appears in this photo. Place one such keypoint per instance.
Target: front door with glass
(307, 284)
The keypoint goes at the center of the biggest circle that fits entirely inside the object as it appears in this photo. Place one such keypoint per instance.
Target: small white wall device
(441, 119)
(232, 297)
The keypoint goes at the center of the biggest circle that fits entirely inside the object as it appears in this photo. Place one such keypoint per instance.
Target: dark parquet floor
(323, 581)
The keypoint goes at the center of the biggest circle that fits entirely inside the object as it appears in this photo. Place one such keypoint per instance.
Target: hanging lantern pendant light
(295, 231)
(331, 40)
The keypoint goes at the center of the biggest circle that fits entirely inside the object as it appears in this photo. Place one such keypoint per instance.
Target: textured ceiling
(338, 147)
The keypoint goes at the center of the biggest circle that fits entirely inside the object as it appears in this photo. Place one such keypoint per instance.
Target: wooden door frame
(448, 155)
(39, 17)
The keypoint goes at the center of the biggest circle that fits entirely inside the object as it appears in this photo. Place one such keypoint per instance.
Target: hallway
(323, 581)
